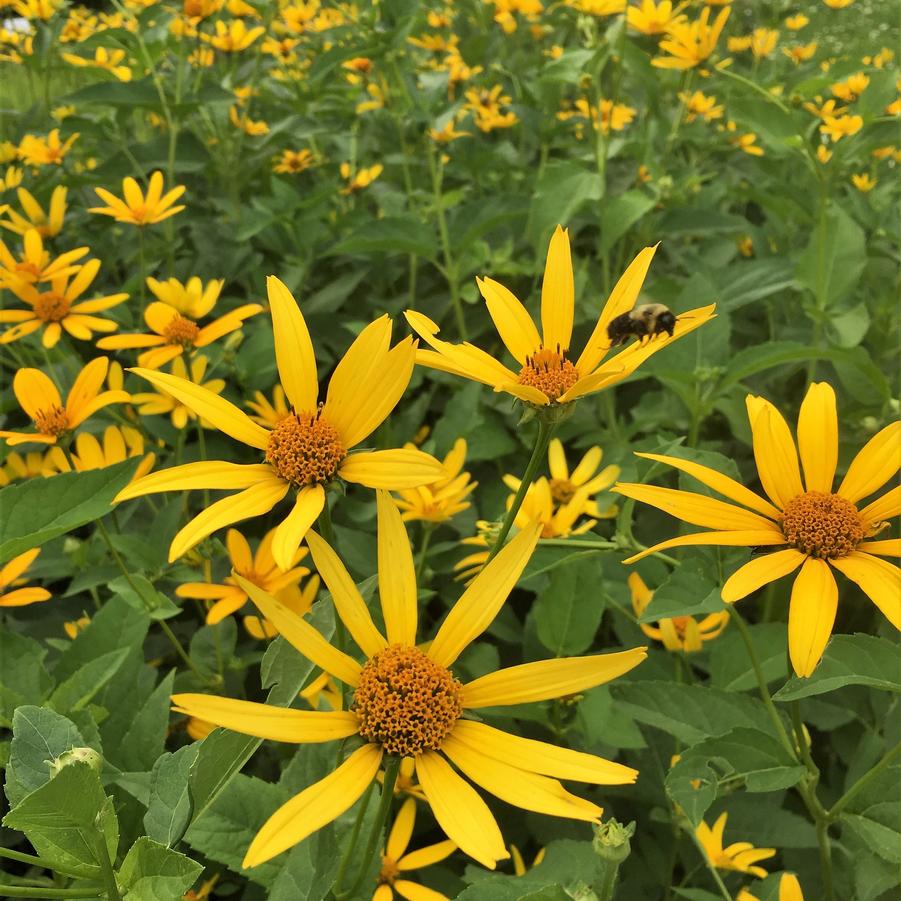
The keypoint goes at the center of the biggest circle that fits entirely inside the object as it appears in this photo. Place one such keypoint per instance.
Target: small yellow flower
(294, 161)
(361, 179)
(28, 466)
(234, 36)
(119, 444)
(841, 127)
(200, 9)
(690, 44)
(829, 108)
(698, 104)
(62, 112)
(800, 53)
(838, 4)
(655, 18)
(37, 9)
(824, 154)
(740, 857)
(73, 627)
(447, 133)
(134, 207)
(37, 151)
(763, 42)
(486, 108)
(519, 865)
(11, 575)
(254, 128)
(109, 60)
(151, 403)
(12, 178)
(377, 98)
(746, 246)
(851, 88)
(35, 264)
(796, 22)
(747, 143)
(444, 499)
(863, 182)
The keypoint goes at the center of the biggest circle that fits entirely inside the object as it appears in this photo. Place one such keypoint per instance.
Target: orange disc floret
(550, 372)
(822, 525)
(53, 421)
(181, 330)
(51, 307)
(305, 449)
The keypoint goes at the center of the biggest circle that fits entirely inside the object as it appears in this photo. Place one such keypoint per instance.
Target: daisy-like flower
(763, 42)
(444, 499)
(362, 178)
(136, 208)
(293, 161)
(152, 403)
(50, 151)
(35, 263)
(56, 309)
(655, 18)
(800, 52)
(698, 104)
(175, 333)
(109, 60)
(48, 223)
(796, 22)
(679, 633)
(565, 485)
(838, 127)
(234, 36)
(11, 576)
(396, 862)
(807, 524)
(547, 375)
(307, 450)
(863, 181)
(851, 88)
(40, 399)
(407, 703)
(299, 602)
(740, 857)
(690, 44)
(25, 466)
(119, 444)
(266, 412)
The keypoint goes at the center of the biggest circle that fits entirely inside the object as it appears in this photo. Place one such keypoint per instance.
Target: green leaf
(620, 213)
(169, 805)
(391, 235)
(730, 668)
(37, 510)
(117, 93)
(309, 869)
(82, 686)
(687, 592)
(564, 188)
(146, 737)
(153, 872)
(568, 612)
(833, 261)
(139, 593)
(849, 660)
(23, 678)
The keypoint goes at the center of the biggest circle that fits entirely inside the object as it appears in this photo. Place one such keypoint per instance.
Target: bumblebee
(645, 321)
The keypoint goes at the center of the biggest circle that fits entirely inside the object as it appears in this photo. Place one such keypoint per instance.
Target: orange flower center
(406, 702)
(305, 449)
(51, 307)
(181, 330)
(54, 421)
(680, 624)
(822, 525)
(549, 371)
(562, 490)
(389, 872)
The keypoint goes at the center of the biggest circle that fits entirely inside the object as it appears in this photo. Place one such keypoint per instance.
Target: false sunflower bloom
(40, 399)
(33, 215)
(444, 499)
(306, 450)
(136, 208)
(35, 264)
(269, 412)
(690, 43)
(45, 151)
(399, 685)
(655, 18)
(161, 403)
(741, 857)
(806, 523)
(11, 574)
(118, 445)
(547, 375)
(25, 466)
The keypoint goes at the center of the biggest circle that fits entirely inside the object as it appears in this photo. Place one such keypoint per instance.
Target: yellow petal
(85, 387)
(511, 320)
(522, 789)
(401, 830)
(604, 377)
(290, 532)
(546, 679)
(889, 547)
(878, 579)
(483, 599)
(413, 891)
(790, 888)
(347, 599)
(718, 482)
(541, 757)
(22, 597)
(253, 501)
(267, 720)
(811, 615)
(884, 507)
(13, 570)
(460, 812)
(223, 415)
(558, 294)
(397, 575)
(818, 437)
(35, 392)
(878, 460)
(391, 469)
(557, 460)
(425, 857)
(761, 571)
(211, 474)
(774, 452)
(315, 806)
(308, 640)
(751, 538)
(293, 348)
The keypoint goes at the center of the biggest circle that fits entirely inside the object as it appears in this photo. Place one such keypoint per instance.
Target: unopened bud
(612, 840)
(75, 755)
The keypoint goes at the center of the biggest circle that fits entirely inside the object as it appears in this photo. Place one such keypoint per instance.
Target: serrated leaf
(153, 872)
(139, 593)
(169, 803)
(730, 668)
(687, 592)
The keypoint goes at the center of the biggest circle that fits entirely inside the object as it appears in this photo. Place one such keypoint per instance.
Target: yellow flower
(824, 154)
(851, 88)
(377, 99)
(136, 208)
(843, 126)
(63, 112)
(269, 413)
(12, 179)
(119, 444)
(38, 151)
(739, 856)
(110, 60)
(200, 9)
(763, 42)
(72, 628)
(293, 161)
(689, 44)
(827, 109)
(306, 451)
(519, 865)
(796, 22)
(189, 298)
(746, 246)
(322, 689)
(485, 106)
(679, 633)
(35, 264)
(838, 4)
(40, 399)
(585, 477)
(246, 124)
(361, 179)
(800, 52)
(813, 527)
(389, 693)
(598, 7)
(863, 182)
(747, 143)
(699, 104)
(150, 403)
(444, 499)
(396, 862)
(11, 575)
(299, 601)
(30, 466)
(234, 36)
(37, 9)
(447, 133)
(547, 375)
(655, 18)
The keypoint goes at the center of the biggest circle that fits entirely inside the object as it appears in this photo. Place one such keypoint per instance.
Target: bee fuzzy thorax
(644, 321)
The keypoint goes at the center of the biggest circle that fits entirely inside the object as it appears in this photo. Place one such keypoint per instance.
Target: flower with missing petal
(807, 524)
(407, 703)
(137, 208)
(741, 857)
(306, 451)
(11, 576)
(547, 375)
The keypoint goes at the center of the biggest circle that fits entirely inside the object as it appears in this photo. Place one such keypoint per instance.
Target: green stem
(106, 868)
(427, 529)
(542, 440)
(21, 891)
(143, 267)
(23, 858)
(825, 848)
(607, 884)
(846, 798)
(354, 836)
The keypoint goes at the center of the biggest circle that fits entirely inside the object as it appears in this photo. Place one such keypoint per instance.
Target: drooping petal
(742, 538)
(546, 679)
(315, 806)
(267, 720)
(878, 460)
(290, 532)
(397, 574)
(878, 579)
(811, 615)
(392, 470)
(294, 354)
(22, 597)
(460, 812)
(480, 603)
(35, 392)
(513, 323)
(12, 570)
(759, 572)
(558, 295)
(818, 437)
(210, 474)
(774, 452)
(401, 830)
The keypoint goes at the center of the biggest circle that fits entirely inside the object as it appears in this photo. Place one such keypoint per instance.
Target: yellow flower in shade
(56, 309)
(741, 857)
(38, 151)
(110, 60)
(361, 179)
(841, 126)
(747, 143)
(862, 181)
(827, 109)
(800, 53)
(269, 413)
(136, 208)
(547, 374)
(444, 499)
(306, 451)
(399, 684)
(294, 161)
(298, 601)
(585, 477)
(40, 399)
(260, 569)
(698, 104)
(73, 627)
(322, 690)
(519, 865)
(406, 783)
(796, 22)
(689, 44)
(11, 575)
(447, 133)
(27, 466)
(35, 264)
(254, 128)
(198, 729)
(396, 862)
(679, 633)
(12, 179)
(655, 18)
(485, 105)
(151, 403)
(200, 9)
(205, 890)
(119, 444)
(234, 36)
(807, 524)
(763, 42)
(851, 88)
(191, 298)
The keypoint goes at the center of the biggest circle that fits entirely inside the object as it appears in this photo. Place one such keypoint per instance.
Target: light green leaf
(620, 213)
(169, 805)
(146, 737)
(565, 187)
(153, 872)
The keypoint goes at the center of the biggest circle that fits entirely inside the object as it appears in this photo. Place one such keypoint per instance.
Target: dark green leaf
(169, 805)
(620, 213)
(569, 610)
(153, 872)
(23, 678)
(390, 235)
